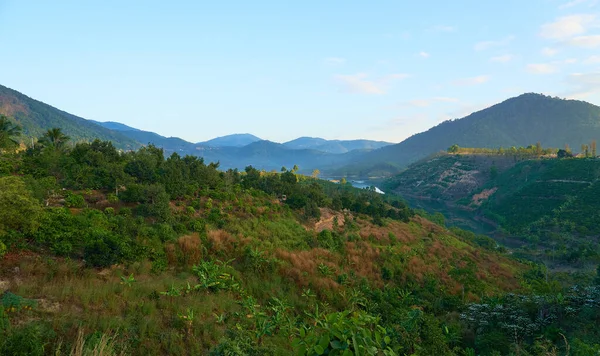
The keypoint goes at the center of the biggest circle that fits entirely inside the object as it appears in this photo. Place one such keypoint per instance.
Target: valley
(240, 246)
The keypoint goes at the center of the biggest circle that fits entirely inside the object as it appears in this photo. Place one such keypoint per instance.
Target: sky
(381, 70)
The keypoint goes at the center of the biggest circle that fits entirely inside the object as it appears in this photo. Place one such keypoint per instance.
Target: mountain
(115, 126)
(334, 146)
(36, 117)
(519, 121)
(235, 140)
(269, 155)
(228, 254)
(546, 206)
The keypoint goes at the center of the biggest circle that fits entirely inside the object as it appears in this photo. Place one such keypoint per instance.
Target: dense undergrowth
(110, 253)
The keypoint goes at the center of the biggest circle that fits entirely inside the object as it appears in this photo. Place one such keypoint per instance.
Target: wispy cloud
(502, 59)
(592, 60)
(428, 102)
(396, 76)
(443, 28)
(542, 68)
(424, 54)
(483, 45)
(584, 85)
(360, 83)
(585, 41)
(566, 27)
(480, 79)
(549, 52)
(573, 3)
(335, 60)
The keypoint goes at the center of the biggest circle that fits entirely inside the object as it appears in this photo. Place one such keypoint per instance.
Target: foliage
(344, 333)
(18, 209)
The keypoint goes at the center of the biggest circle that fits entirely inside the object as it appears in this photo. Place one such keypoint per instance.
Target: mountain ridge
(518, 121)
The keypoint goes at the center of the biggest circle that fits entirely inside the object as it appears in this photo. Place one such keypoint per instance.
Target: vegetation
(516, 122)
(132, 253)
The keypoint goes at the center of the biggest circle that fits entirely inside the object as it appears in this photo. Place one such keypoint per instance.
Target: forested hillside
(137, 254)
(36, 117)
(545, 205)
(518, 122)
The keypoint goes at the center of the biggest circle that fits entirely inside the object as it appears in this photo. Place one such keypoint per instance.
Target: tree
(8, 133)
(585, 149)
(54, 138)
(19, 210)
(295, 169)
(453, 149)
(315, 173)
(563, 154)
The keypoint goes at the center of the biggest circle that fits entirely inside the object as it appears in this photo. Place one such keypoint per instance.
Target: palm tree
(8, 133)
(54, 138)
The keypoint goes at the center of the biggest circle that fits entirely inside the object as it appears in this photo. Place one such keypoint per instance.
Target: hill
(115, 126)
(334, 146)
(36, 117)
(519, 121)
(542, 205)
(140, 254)
(234, 140)
(269, 156)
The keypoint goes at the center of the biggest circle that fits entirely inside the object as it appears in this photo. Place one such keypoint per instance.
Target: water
(362, 185)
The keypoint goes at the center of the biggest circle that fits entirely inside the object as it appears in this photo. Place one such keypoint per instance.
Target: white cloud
(591, 3)
(427, 102)
(483, 45)
(421, 103)
(502, 59)
(397, 76)
(570, 61)
(584, 84)
(585, 41)
(567, 26)
(480, 79)
(361, 83)
(542, 68)
(424, 54)
(443, 28)
(592, 60)
(549, 52)
(335, 60)
(358, 83)
(446, 99)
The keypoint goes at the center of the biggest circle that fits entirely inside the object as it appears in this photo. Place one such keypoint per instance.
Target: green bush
(74, 201)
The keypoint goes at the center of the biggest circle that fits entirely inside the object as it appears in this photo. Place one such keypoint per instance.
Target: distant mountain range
(232, 151)
(334, 146)
(518, 121)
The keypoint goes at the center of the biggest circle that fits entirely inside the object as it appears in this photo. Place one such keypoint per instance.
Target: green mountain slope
(334, 146)
(519, 121)
(188, 260)
(234, 140)
(549, 207)
(36, 117)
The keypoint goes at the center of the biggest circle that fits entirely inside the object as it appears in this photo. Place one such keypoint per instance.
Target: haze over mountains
(519, 121)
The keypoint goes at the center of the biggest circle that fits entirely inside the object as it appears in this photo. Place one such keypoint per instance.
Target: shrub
(105, 249)
(74, 201)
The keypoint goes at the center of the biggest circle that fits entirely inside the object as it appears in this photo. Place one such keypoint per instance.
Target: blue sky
(280, 69)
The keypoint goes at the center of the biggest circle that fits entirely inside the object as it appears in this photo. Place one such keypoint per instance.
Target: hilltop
(36, 117)
(518, 121)
(334, 146)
